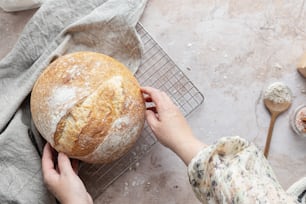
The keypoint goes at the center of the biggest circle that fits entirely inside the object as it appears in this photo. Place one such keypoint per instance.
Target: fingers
(152, 119)
(154, 95)
(64, 164)
(160, 98)
(153, 109)
(147, 89)
(148, 99)
(47, 161)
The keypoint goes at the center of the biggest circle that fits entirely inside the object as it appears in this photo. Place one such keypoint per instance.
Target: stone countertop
(231, 50)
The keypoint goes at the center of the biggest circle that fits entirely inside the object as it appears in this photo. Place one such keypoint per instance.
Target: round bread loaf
(89, 106)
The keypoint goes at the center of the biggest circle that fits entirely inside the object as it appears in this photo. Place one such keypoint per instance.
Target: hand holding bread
(62, 179)
(169, 125)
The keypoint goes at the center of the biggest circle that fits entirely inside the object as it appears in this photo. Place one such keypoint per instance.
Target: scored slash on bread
(89, 106)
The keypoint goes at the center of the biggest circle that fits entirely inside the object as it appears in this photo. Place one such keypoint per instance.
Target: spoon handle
(268, 140)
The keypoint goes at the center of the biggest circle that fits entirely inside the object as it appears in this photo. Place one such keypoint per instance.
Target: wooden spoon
(275, 109)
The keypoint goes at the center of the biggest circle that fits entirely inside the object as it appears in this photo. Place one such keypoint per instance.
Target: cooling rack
(159, 71)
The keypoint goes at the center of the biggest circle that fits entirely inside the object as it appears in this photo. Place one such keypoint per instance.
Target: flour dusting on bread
(89, 106)
(61, 99)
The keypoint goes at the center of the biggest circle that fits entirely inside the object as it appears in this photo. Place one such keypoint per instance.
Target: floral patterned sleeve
(234, 171)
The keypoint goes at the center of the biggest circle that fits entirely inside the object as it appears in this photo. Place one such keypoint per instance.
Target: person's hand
(62, 180)
(165, 119)
(169, 125)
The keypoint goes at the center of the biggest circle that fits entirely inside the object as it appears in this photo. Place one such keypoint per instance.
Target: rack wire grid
(159, 71)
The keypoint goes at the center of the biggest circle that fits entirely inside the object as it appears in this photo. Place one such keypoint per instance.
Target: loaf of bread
(89, 106)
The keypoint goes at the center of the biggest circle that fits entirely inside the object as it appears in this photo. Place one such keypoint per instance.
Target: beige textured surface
(231, 50)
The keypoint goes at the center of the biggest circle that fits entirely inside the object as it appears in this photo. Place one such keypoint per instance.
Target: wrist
(187, 148)
(87, 200)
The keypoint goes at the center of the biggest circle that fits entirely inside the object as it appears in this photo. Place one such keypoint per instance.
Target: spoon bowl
(275, 109)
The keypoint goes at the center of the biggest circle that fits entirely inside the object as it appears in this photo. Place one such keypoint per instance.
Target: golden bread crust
(85, 99)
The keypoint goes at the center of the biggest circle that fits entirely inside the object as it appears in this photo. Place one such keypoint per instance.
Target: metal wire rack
(159, 71)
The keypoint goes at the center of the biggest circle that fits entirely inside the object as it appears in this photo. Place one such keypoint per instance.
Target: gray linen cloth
(57, 28)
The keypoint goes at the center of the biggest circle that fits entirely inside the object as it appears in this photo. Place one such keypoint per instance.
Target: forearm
(187, 148)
